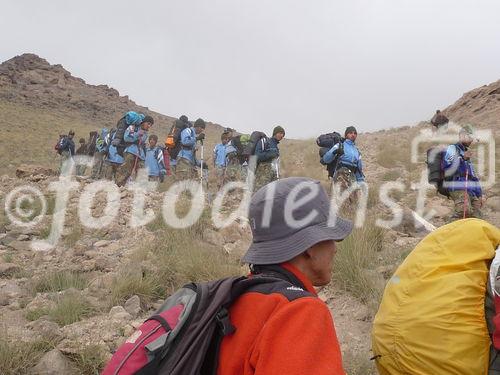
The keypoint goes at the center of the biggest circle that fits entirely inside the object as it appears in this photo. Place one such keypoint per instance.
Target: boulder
(118, 312)
(133, 306)
(54, 363)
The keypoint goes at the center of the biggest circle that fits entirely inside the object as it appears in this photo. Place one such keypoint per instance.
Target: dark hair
(200, 123)
(81, 140)
(71, 132)
(153, 136)
(149, 119)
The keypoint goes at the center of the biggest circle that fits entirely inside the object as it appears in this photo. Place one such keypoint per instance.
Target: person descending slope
(268, 153)
(349, 167)
(439, 120)
(82, 150)
(134, 154)
(463, 185)
(186, 160)
(154, 160)
(66, 148)
(220, 159)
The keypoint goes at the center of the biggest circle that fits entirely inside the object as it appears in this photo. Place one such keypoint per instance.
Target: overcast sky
(310, 66)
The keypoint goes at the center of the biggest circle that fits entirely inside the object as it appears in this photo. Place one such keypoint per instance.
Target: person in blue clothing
(154, 160)
(186, 159)
(101, 149)
(461, 181)
(220, 159)
(135, 138)
(345, 154)
(268, 153)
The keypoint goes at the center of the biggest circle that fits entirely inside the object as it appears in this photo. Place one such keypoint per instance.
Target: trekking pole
(466, 194)
(201, 166)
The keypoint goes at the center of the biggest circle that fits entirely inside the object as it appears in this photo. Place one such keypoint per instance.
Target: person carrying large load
(173, 142)
(134, 154)
(439, 120)
(451, 171)
(268, 154)
(186, 162)
(343, 159)
(432, 316)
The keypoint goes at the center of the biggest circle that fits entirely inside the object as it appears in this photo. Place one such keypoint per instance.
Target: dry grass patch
(59, 281)
(17, 357)
(356, 259)
(69, 309)
(90, 360)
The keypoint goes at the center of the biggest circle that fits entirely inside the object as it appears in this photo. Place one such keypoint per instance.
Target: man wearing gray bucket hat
(284, 328)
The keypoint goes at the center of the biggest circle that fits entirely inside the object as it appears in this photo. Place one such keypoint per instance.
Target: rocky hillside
(480, 107)
(39, 100)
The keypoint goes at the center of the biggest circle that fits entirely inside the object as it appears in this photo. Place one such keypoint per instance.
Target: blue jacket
(154, 161)
(220, 155)
(457, 166)
(188, 143)
(137, 137)
(113, 156)
(351, 158)
(267, 150)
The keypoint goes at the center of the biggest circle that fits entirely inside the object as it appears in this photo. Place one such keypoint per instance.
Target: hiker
(173, 140)
(292, 333)
(439, 120)
(268, 154)
(186, 160)
(113, 160)
(154, 160)
(101, 149)
(463, 185)
(349, 167)
(269, 322)
(134, 154)
(220, 159)
(66, 148)
(81, 150)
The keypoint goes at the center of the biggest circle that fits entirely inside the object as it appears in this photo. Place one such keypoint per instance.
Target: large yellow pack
(431, 320)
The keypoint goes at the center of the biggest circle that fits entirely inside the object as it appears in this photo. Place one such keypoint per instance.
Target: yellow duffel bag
(431, 320)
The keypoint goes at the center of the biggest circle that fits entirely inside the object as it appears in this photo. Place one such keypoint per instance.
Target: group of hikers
(120, 152)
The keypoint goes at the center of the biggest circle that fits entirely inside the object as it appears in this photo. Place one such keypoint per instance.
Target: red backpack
(183, 337)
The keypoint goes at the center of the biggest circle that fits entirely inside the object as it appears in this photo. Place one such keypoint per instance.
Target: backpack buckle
(224, 323)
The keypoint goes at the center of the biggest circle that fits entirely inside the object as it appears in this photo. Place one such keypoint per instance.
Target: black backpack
(255, 137)
(325, 143)
(329, 139)
(183, 337)
(62, 144)
(173, 141)
(436, 174)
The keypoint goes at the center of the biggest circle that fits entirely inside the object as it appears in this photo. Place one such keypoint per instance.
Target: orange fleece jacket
(275, 336)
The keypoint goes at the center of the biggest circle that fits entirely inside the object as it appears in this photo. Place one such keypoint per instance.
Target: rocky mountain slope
(39, 101)
(65, 310)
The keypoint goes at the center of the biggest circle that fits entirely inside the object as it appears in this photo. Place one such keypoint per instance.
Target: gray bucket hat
(289, 216)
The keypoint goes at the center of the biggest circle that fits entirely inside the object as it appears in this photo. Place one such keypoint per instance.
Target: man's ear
(309, 253)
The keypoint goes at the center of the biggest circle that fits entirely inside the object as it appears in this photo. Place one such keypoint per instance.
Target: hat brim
(284, 249)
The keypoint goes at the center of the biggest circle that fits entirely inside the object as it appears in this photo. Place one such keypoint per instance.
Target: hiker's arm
(299, 339)
(187, 138)
(330, 154)
(265, 155)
